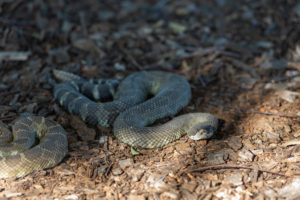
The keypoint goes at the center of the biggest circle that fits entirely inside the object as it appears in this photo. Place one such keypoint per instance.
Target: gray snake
(131, 110)
(130, 113)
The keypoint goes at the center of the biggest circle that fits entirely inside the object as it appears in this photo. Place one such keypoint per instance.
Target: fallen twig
(215, 167)
(9, 93)
(14, 55)
(7, 117)
(253, 111)
(293, 65)
(131, 58)
(12, 22)
(4, 108)
(291, 142)
(243, 66)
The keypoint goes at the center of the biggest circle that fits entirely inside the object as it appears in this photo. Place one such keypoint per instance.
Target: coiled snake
(21, 156)
(129, 113)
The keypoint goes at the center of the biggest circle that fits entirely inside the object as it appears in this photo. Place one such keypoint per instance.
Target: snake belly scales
(130, 113)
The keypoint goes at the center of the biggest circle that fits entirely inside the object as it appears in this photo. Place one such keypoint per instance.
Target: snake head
(201, 132)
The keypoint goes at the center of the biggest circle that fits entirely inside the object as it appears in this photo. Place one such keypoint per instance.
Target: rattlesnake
(131, 111)
(22, 156)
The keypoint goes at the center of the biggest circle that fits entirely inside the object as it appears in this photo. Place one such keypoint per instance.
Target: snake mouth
(201, 132)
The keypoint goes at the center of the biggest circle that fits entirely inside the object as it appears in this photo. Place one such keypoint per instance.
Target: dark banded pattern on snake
(131, 112)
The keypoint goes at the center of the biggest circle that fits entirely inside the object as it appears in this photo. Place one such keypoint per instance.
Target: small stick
(6, 108)
(293, 65)
(252, 111)
(14, 55)
(131, 58)
(11, 22)
(9, 93)
(216, 167)
(7, 117)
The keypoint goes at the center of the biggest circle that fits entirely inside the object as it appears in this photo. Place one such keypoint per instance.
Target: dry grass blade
(216, 167)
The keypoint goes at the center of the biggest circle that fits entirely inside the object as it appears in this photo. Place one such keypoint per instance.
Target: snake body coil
(19, 155)
(131, 111)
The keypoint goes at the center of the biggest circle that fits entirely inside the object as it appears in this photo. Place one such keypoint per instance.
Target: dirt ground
(242, 59)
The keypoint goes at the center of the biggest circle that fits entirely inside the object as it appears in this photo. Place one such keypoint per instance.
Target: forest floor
(242, 60)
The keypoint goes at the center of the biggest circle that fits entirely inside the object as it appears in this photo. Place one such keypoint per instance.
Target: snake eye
(200, 132)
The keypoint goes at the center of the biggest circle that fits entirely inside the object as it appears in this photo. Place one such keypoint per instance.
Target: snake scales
(22, 156)
(130, 113)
